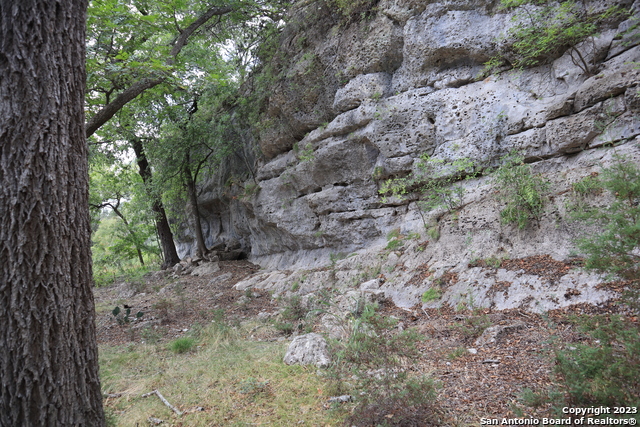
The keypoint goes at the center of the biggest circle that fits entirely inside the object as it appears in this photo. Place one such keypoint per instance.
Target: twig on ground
(113, 395)
(165, 401)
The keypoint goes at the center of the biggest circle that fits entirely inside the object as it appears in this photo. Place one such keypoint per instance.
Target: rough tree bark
(48, 351)
(171, 257)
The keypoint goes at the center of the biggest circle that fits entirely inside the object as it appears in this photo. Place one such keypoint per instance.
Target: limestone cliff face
(356, 102)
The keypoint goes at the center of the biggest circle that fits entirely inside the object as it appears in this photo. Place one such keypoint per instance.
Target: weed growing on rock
(523, 192)
(431, 294)
(249, 190)
(354, 9)
(306, 154)
(394, 244)
(433, 183)
(433, 233)
(335, 257)
(544, 30)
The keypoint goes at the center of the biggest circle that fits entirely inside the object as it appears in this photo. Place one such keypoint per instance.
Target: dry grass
(225, 381)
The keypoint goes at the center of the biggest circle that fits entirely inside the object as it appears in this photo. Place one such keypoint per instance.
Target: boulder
(309, 349)
(205, 268)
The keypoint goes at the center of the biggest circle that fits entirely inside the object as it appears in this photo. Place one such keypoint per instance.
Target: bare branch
(165, 401)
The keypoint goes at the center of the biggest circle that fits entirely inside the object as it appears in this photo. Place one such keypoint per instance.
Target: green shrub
(124, 317)
(604, 373)
(494, 262)
(473, 326)
(605, 370)
(335, 257)
(182, 345)
(456, 353)
(521, 190)
(369, 366)
(607, 373)
(293, 315)
(613, 249)
(307, 153)
(393, 234)
(433, 180)
(433, 183)
(295, 286)
(294, 309)
(433, 232)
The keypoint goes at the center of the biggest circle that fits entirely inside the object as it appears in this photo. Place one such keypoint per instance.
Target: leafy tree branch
(141, 85)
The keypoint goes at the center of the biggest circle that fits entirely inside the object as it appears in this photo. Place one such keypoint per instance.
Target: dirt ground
(478, 380)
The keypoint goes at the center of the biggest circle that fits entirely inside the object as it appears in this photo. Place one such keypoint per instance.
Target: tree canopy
(162, 85)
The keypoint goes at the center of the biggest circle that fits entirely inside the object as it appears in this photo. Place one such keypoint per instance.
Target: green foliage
(613, 249)
(250, 189)
(521, 190)
(457, 353)
(293, 315)
(433, 181)
(307, 153)
(354, 9)
(588, 186)
(182, 345)
(431, 294)
(544, 30)
(194, 118)
(494, 261)
(394, 244)
(124, 317)
(370, 364)
(335, 257)
(604, 370)
(433, 232)
(393, 234)
(123, 229)
(601, 371)
(607, 373)
(378, 173)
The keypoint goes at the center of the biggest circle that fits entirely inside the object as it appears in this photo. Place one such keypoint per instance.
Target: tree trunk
(48, 351)
(131, 233)
(193, 201)
(171, 257)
